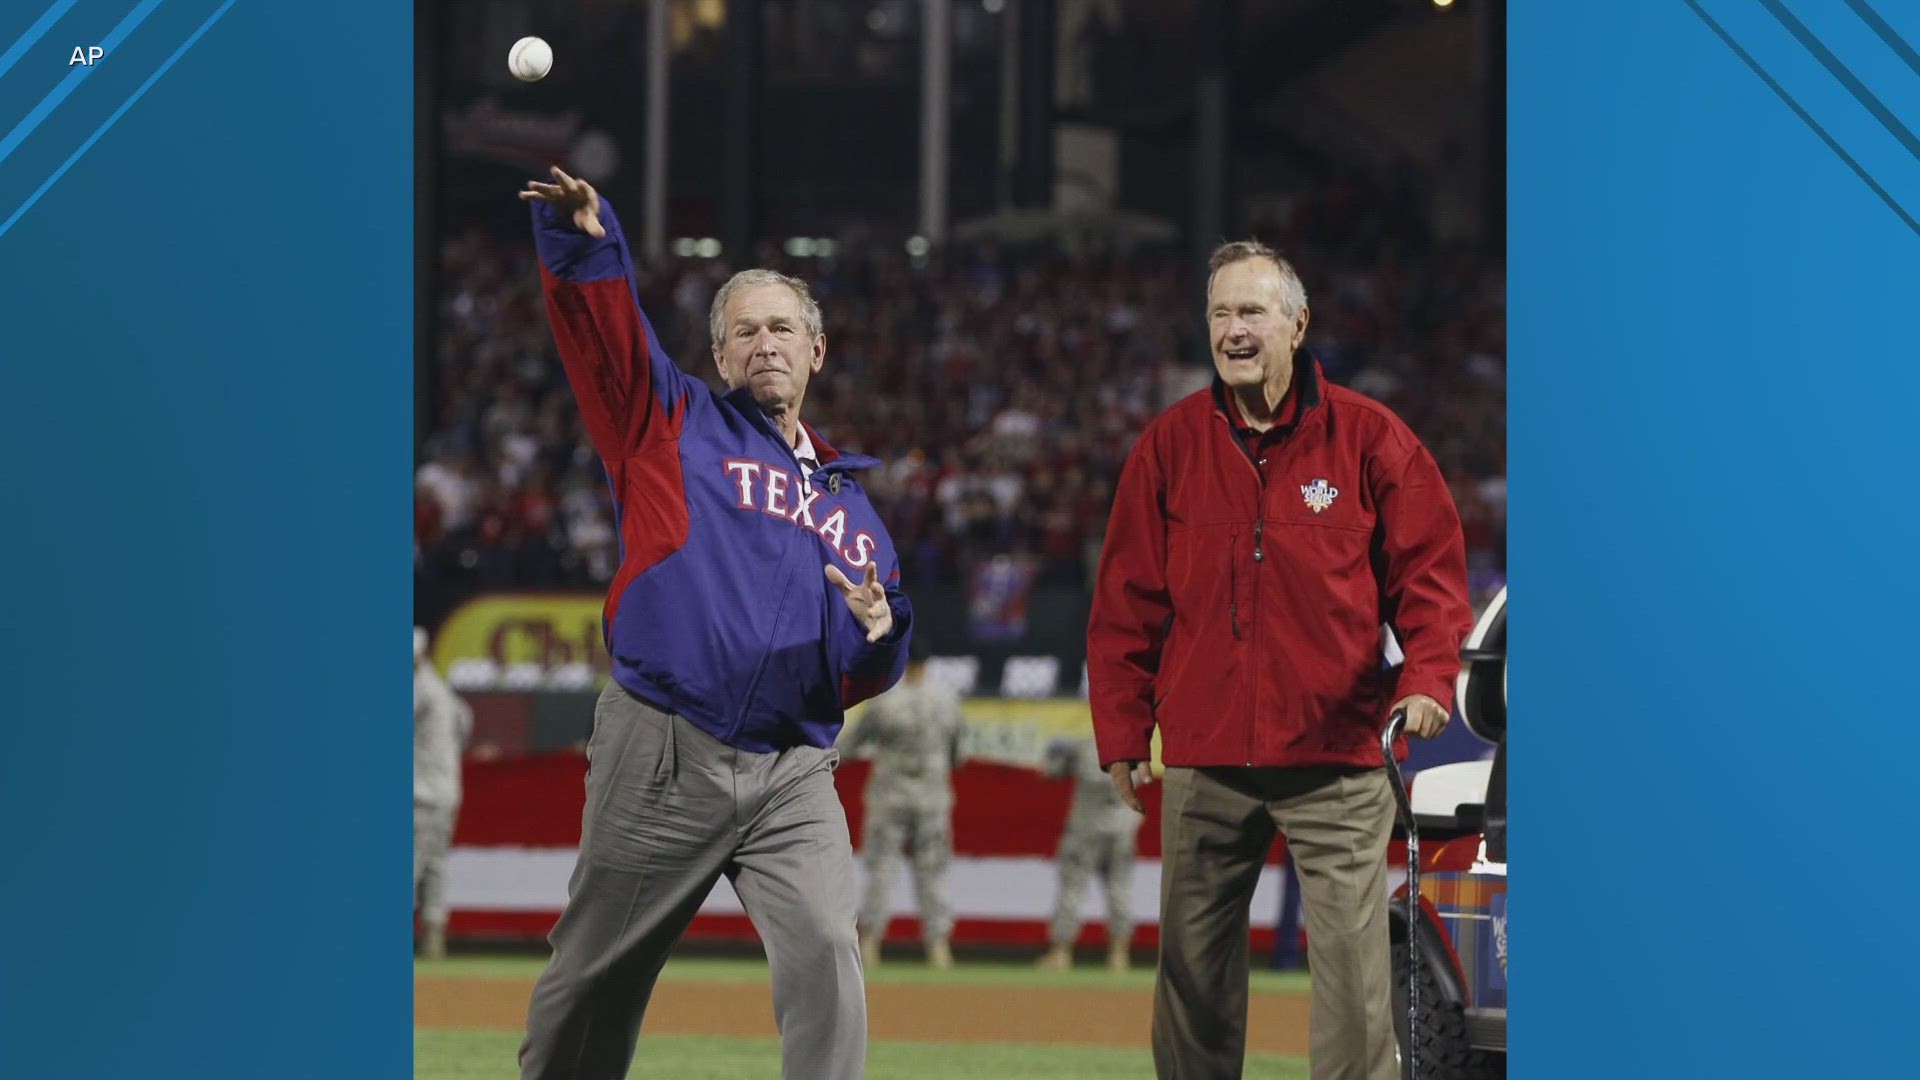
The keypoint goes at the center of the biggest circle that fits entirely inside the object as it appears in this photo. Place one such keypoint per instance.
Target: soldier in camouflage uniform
(1099, 839)
(442, 723)
(913, 734)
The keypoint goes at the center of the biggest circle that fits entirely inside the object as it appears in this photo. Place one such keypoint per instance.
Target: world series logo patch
(1319, 496)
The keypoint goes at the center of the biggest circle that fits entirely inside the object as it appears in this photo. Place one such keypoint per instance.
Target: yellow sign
(550, 630)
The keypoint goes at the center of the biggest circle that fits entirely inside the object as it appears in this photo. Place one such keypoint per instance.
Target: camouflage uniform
(1099, 839)
(914, 734)
(442, 723)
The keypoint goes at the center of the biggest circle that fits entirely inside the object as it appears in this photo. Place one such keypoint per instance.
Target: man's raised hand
(569, 196)
(867, 600)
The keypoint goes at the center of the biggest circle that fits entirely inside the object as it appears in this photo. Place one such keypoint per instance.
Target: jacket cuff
(1436, 687)
(1123, 744)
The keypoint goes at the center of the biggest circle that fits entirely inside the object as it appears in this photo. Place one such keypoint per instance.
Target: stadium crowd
(1001, 391)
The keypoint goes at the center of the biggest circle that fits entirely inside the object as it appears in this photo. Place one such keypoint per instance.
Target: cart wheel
(1445, 1053)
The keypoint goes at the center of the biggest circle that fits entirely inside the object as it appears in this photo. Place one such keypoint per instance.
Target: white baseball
(530, 59)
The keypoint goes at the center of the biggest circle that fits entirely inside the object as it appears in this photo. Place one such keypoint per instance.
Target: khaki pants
(1217, 826)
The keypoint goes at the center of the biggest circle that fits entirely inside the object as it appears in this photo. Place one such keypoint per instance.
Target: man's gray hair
(747, 279)
(1292, 291)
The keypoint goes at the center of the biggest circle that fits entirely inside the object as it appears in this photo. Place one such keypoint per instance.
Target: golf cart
(1453, 981)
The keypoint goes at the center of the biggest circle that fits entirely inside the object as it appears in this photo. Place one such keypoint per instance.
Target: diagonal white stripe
(34, 33)
(75, 76)
(110, 121)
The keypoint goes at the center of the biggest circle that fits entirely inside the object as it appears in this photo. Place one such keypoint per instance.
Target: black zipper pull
(1257, 557)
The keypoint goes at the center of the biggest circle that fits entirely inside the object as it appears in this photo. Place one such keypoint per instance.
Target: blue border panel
(1713, 378)
(205, 387)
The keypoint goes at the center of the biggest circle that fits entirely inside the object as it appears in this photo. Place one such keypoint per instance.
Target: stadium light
(1443, 3)
(994, 7)
(686, 247)
(707, 248)
(823, 247)
(918, 247)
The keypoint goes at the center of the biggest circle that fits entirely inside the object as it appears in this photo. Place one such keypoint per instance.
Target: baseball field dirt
(999, 1004)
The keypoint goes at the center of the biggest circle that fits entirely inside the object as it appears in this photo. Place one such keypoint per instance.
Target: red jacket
(1241, 614)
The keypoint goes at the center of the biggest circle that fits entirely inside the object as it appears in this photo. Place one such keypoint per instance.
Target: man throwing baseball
(758, 597)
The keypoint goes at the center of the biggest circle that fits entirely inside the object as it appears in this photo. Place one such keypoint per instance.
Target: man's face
(1252, 333)
(764, 345)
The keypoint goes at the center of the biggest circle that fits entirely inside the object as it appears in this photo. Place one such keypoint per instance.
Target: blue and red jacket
(721, 611)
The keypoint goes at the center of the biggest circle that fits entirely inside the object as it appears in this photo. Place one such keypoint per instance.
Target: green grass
(487, 1055)
(905, 972)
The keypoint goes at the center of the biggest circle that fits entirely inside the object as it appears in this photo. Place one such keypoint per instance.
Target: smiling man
(1263, 533)
(757, 598)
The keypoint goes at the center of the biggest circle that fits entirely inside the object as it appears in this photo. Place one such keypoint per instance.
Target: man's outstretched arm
(630, 393)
